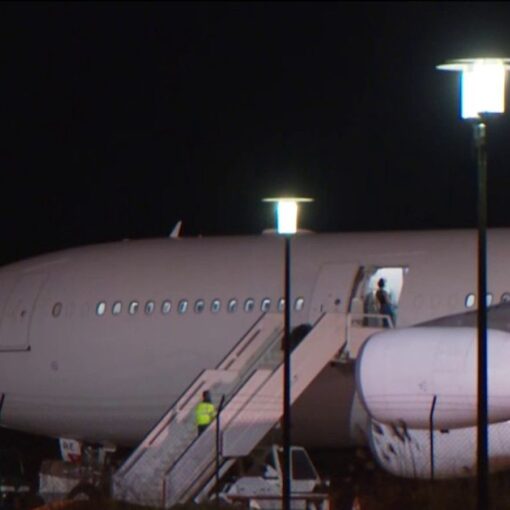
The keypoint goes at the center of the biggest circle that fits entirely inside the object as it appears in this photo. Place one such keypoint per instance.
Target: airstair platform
(173, 465)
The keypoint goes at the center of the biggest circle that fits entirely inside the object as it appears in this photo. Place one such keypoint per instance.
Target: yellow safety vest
(204, 413)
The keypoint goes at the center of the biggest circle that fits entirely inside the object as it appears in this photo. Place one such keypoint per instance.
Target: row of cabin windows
(471, 299)
(199, 306)
(184, 305)
(232, 305)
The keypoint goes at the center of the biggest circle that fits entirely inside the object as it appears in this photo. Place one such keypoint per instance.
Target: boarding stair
(139, 479)
(173, 465)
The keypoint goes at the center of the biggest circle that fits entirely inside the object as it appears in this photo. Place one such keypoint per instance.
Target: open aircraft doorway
(374, 303)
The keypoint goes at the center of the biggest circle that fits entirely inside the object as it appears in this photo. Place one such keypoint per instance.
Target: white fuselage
(66, 371)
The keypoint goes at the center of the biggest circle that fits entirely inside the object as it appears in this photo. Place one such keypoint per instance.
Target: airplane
(96, 342)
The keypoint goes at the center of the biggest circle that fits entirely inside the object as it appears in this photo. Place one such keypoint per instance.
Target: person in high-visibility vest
(205, 412)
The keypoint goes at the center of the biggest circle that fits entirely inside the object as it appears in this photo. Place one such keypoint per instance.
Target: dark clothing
(385, 306)
(383, 297)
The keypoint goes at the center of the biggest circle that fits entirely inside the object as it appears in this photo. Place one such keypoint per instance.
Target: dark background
(119, 119)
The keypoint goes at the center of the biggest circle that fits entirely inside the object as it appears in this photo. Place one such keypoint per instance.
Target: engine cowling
(400, 371)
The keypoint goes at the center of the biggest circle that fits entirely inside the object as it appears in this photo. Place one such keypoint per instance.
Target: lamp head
(482, 84)
(287, 212)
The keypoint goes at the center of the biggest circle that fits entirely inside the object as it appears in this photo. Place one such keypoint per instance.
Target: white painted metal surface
(432, 361)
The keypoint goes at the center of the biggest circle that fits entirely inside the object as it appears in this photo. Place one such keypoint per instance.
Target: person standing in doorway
(385, 305)
(205, 412)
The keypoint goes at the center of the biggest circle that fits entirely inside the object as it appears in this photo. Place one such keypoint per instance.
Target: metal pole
(286, 382)
(431, 429)
(218, 448)
(482, 436)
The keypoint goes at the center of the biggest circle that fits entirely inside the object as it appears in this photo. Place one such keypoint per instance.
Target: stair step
(174, 465)
(137, 478)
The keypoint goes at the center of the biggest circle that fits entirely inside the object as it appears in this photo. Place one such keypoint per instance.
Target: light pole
(286, 212)
(483, 95)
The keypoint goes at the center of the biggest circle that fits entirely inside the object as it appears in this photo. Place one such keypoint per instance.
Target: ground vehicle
(86, 476)
(259, 484)
(14, 486)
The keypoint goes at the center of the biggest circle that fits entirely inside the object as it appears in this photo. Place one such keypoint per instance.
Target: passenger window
(199, 305)
(133, 307)
(101, 308)
(232, 305)
(299, 304)
(265, 305)
(183, 306)
(149, 307)
(470, 301)
(249, 305)
(117, 307)
(281, 304)
(166, 306)
(215, 305)
(505, 297)
(57, 309)
(488, 299)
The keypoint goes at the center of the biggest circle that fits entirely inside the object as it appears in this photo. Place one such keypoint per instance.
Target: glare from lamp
(482, 85)
(287, 213)
(287, 217)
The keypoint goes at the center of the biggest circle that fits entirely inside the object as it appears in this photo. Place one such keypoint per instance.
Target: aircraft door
(18, 311)
(332, 290)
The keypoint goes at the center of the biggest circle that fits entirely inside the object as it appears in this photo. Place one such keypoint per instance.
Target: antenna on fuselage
(176, 232)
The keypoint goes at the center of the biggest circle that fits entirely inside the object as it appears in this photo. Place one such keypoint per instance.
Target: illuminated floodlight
(483, 92)
(287, 212)
(482, 84)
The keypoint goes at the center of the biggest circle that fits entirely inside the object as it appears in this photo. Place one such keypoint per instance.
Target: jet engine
(400, 372)
(419, 387)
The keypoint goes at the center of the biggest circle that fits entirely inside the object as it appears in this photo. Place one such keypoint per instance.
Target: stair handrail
(210, 429)
(234, 391)
(162, 423)
(231, 396)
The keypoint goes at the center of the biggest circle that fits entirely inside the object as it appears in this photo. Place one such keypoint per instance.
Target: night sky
(119, 119)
